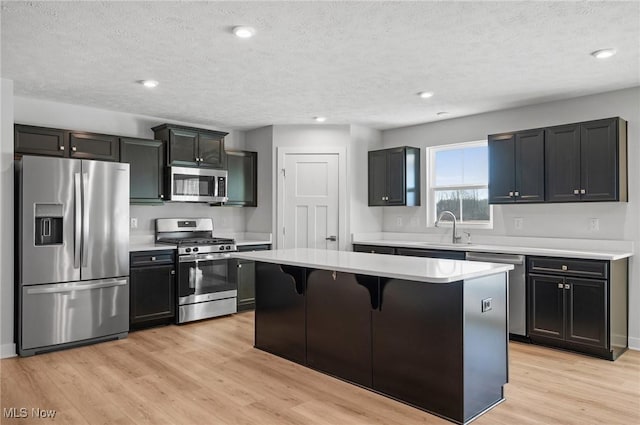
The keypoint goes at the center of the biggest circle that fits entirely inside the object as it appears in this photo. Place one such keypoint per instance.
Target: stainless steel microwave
(198, 185)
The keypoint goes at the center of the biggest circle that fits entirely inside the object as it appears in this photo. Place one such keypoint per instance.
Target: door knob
(332, 238)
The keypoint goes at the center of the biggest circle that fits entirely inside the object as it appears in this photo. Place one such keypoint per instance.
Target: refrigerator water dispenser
(48, 224)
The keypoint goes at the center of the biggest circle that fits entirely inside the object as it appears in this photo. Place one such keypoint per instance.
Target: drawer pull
(73, 148)
(153, 258)
(576, 191)
(564, 268)
(61, 148)
(567, 286)
(560, 285)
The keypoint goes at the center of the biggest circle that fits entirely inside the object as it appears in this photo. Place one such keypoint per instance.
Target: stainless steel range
(204, 287)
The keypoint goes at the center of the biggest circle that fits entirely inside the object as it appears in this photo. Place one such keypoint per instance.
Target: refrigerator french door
(73, 285)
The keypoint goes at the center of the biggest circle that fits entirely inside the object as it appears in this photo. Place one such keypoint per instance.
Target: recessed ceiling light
(320, 119)
(244, 32)
(442, 114)
(603, 53)
(425, 94)
(149, 83)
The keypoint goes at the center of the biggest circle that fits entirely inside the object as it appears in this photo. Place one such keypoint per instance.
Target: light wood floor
(209, 373)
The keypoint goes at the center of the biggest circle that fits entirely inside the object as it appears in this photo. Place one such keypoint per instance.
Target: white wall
(62, 115)
(7, 346)
(618, 220)
(363, 218)
(259, 219)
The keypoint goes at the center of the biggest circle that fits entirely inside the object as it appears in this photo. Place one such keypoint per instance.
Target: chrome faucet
(454, 238)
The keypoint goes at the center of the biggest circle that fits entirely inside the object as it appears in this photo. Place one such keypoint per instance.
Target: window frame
(431, 190)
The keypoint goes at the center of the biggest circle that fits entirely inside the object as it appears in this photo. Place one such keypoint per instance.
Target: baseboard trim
(7, 350)
(634, 344)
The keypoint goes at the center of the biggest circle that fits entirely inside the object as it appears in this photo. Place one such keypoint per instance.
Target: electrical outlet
(134, 223)
(399, 220)
(594, 224)
(517, 223)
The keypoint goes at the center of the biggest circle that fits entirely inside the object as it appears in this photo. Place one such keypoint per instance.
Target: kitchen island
(428, 332)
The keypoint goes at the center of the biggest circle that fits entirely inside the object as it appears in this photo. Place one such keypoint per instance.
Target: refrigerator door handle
(85, 220)
(77, 231)
(50, 289)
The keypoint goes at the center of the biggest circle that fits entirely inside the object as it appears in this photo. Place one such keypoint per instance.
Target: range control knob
(187, 250)
(228, 248)
(221, 248)
(195, 249)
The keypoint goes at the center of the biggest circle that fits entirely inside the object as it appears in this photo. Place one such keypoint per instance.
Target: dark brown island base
(431, 333)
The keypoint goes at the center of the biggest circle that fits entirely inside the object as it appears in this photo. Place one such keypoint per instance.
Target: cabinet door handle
(564, 268)
(583, 191)
(73, 148)
(239, 266)
(567, 286)
(576, 191)
(560, 285)
(510, 194)
(161, 196)
(173, 272)
(516, 194)
(62, 147)
(153, 258)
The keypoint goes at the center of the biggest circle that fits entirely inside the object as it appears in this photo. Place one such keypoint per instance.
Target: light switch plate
(517, 223)
(594, 224)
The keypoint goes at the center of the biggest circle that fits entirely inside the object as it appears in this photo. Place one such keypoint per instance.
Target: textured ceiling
(353, 62)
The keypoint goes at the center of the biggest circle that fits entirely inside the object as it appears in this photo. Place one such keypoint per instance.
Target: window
(457, 181)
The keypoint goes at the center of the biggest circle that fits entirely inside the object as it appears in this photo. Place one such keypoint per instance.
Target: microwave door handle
(77, 230)
(85, 220)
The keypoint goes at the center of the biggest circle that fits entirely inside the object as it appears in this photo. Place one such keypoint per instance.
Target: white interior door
(311, 201)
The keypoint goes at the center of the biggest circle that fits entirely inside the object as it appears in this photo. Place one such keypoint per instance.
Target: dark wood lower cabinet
(372, 249)
(152, 289)
(429, 345)
(280, 311)
(339, 324)
(546, 306)
(243, 274)
(414, 327)
(569, 311)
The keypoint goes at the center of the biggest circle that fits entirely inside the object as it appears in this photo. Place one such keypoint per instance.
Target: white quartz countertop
(245, 242)
(593, 254)
(430, 270)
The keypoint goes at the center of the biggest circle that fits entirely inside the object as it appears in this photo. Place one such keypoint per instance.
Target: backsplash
(225, 219)
(613, 220)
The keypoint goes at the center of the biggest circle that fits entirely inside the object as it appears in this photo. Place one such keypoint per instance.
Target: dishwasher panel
(517, 287)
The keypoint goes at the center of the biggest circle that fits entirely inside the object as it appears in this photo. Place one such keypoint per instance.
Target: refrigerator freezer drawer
(75, 311)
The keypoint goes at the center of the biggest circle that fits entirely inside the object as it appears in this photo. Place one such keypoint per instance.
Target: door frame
(342, 189)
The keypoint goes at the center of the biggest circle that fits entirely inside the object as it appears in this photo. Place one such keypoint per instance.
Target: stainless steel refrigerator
(73, 252)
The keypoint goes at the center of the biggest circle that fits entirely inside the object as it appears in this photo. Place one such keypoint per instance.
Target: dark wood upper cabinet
(94, 146)
(587, 161)
(394, 177)
(33, 140)
(192, 147)
(516, 167)
(182, 147)
(211, 147)
(242, 181)
(146, 159)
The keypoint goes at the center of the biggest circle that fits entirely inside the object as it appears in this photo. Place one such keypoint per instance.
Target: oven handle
(203, 257)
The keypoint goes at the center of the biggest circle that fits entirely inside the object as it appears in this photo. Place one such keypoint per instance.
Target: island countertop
(430, 270)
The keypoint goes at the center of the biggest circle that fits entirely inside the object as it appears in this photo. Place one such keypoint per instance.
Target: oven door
(204, 277)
